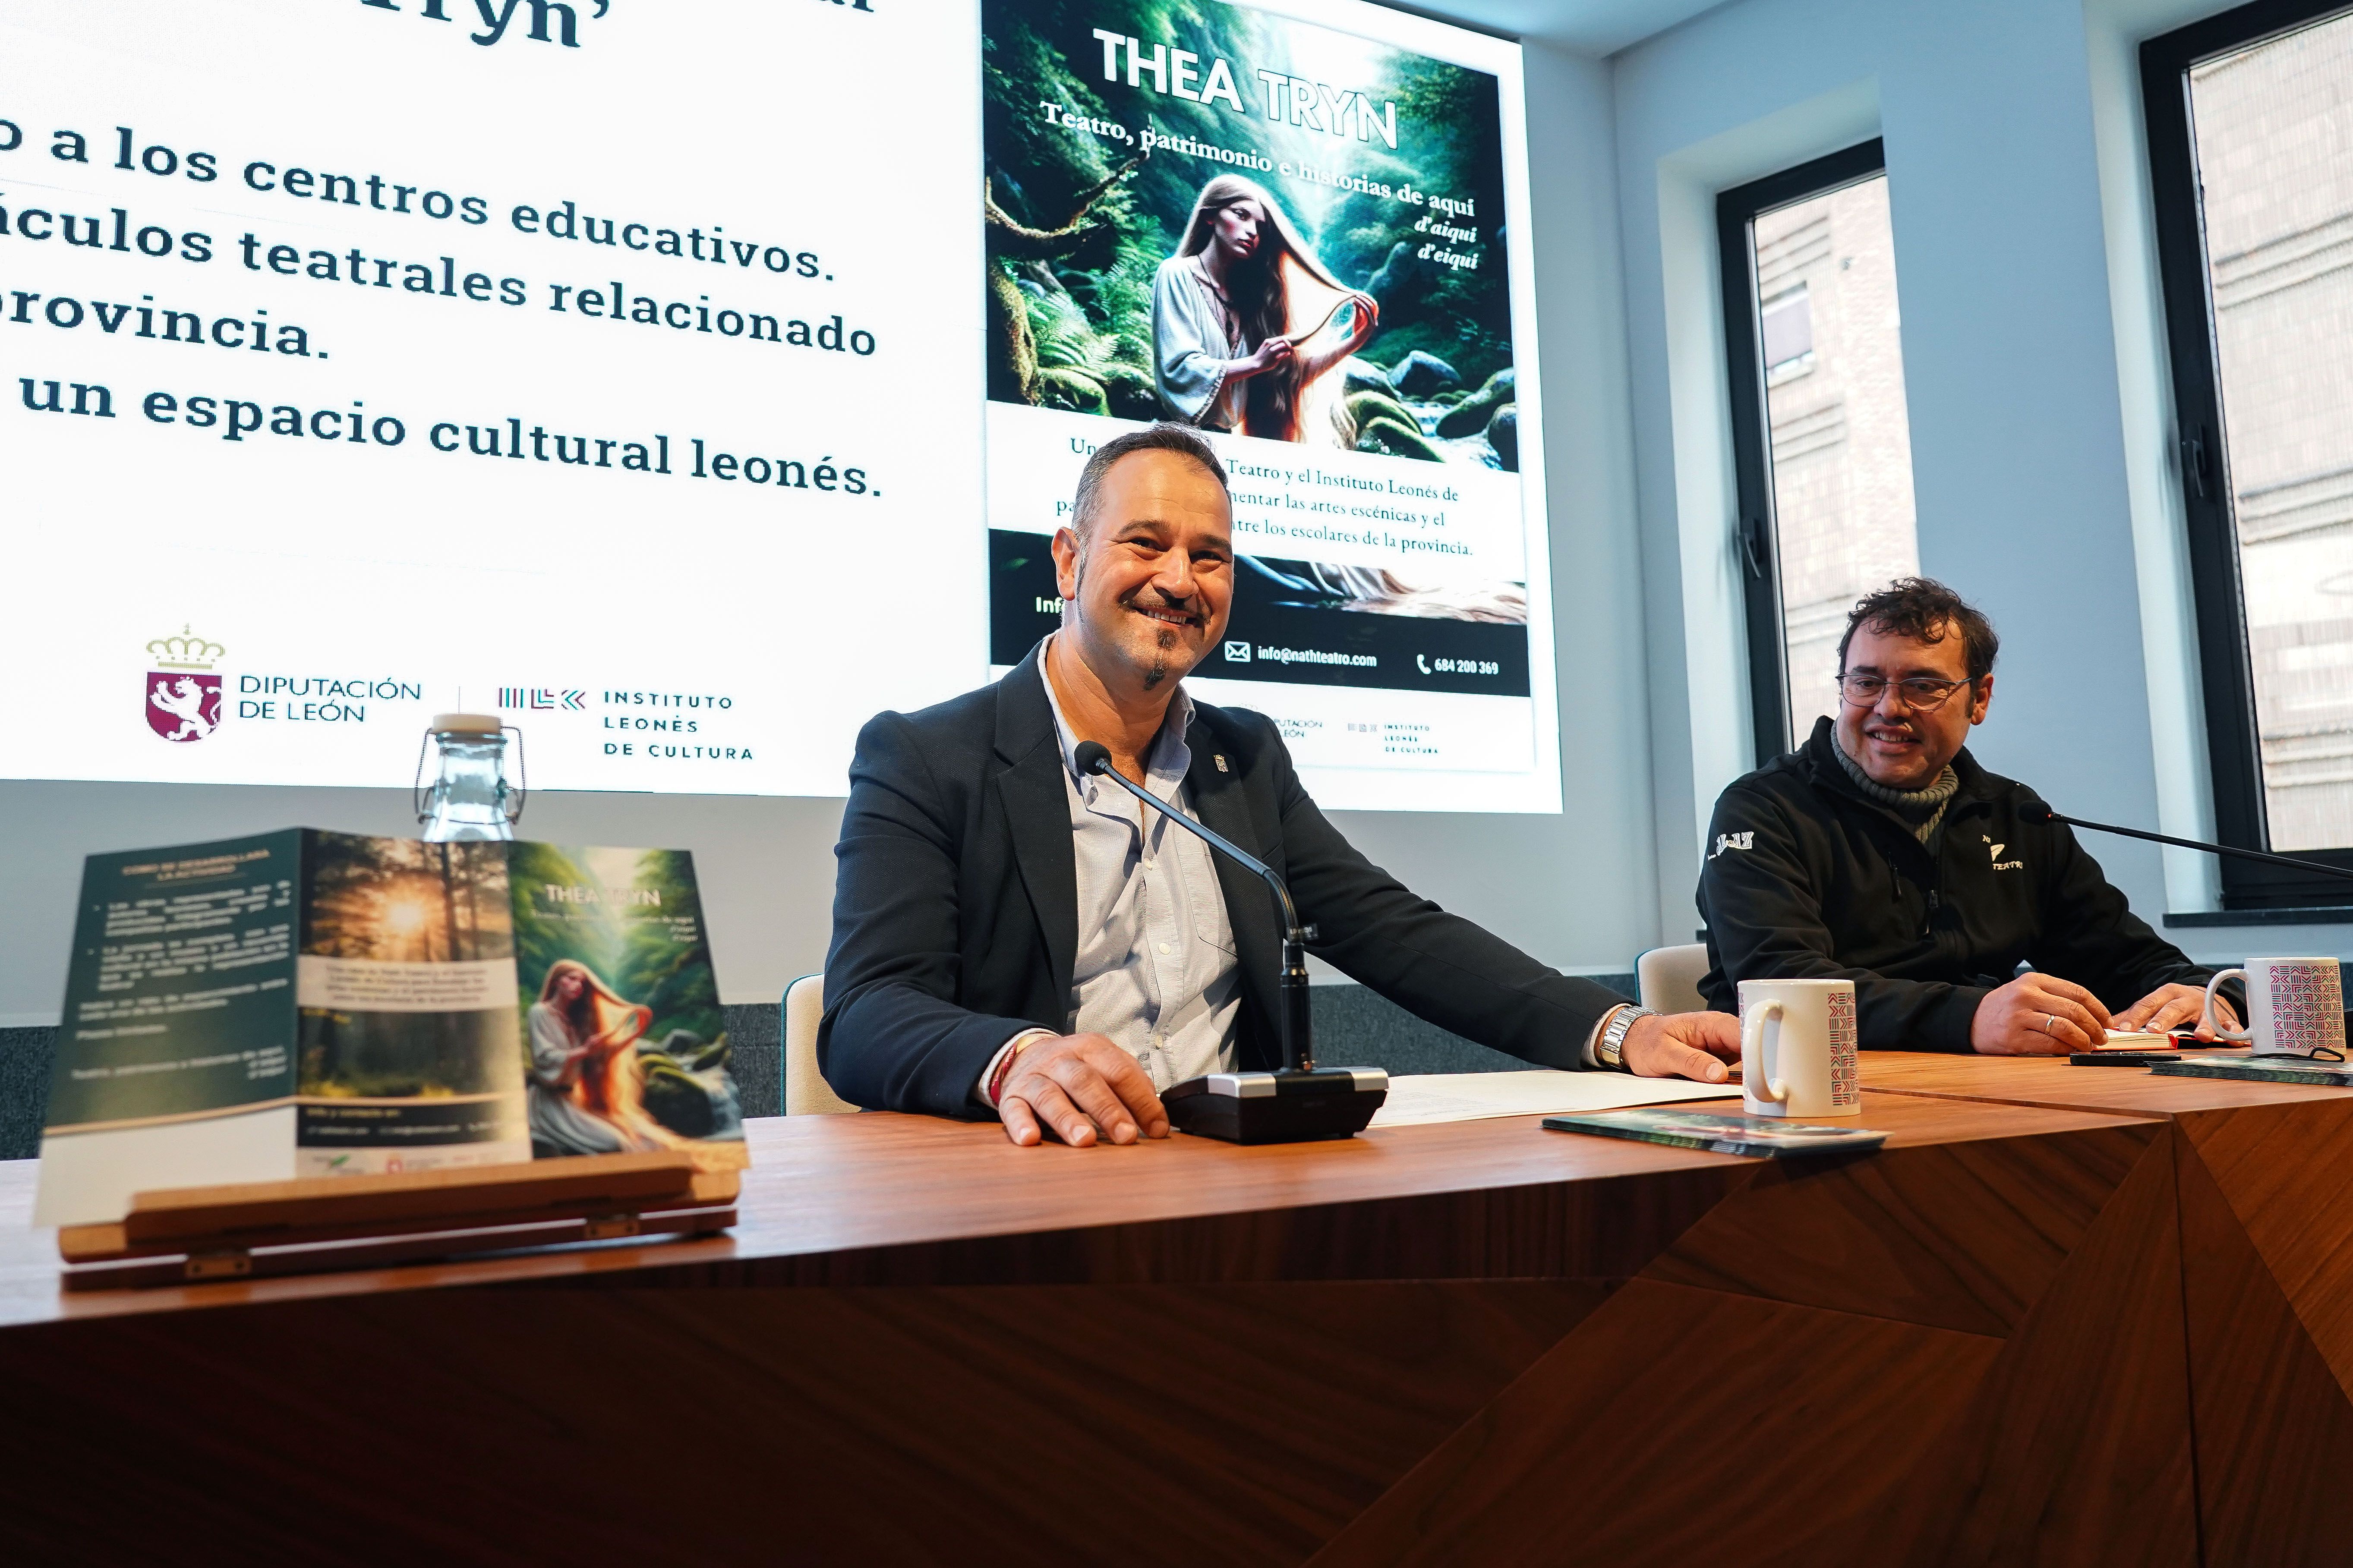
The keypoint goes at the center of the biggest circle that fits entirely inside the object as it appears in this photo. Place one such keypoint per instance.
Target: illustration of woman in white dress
(1243, 323)
(587, 1085)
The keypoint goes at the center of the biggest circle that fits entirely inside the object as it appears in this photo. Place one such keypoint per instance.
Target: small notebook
(2131, 1048)
(1756, 1135)
(2140, 1040)
(2260, 1069)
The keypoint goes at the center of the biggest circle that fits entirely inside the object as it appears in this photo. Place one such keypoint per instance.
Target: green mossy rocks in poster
(625, 1046)
(1202, 212)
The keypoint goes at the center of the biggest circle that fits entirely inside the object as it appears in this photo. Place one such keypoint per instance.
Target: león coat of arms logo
(182, 698)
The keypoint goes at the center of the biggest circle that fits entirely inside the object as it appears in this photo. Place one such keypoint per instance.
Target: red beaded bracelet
(1005, 1068)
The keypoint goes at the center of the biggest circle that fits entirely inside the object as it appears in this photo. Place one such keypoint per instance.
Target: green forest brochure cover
(319, 1003)
(626, 1047)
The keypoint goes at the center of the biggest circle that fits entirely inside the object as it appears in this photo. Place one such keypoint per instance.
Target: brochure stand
(327, 1222)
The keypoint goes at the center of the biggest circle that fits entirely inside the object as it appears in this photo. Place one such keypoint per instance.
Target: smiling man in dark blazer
(1011, 937)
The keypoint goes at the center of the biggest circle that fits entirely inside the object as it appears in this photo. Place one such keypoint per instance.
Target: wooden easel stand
(324, 1223)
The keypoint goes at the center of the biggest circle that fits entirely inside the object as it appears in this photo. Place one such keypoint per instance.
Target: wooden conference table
(2264, 1216)
(1477, 1342)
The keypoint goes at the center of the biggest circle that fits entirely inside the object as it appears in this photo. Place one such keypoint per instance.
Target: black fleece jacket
(1807, 878)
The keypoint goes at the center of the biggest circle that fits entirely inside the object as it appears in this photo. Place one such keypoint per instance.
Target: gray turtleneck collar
(1924, 807)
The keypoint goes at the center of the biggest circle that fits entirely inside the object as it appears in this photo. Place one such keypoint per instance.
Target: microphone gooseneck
(2034, 808)
(1294, 1019)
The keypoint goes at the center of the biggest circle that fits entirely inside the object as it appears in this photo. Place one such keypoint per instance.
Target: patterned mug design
(2295, 1006)
(1815, 1070)
(1846, 1067)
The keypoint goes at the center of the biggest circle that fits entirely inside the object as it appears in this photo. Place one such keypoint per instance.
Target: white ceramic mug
(2295, 1006)
(1797, 1048)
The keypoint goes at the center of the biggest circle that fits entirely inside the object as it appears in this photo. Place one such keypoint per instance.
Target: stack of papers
(1419, 1100)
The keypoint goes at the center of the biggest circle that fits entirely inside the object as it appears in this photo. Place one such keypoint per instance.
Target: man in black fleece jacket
(1881, 852)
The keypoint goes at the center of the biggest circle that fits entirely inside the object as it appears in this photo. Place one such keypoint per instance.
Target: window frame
(1756, 533)
(2225, 659)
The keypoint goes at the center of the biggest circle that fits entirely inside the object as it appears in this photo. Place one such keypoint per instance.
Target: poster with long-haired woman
(1249, 224)
(625, 1045)
(1299, 237)
(1242, 322)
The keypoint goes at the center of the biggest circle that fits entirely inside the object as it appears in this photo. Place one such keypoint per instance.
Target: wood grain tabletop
(884, 1199)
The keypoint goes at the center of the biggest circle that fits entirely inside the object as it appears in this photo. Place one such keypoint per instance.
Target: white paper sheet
(1421, 1098)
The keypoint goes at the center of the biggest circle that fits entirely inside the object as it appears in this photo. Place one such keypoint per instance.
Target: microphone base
(1290, 1107)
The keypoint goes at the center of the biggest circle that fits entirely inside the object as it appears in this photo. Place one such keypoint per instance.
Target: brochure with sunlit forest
(303, 1003)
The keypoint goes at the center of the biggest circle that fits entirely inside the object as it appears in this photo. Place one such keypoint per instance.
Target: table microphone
(1299, 1104)
(2034, 808)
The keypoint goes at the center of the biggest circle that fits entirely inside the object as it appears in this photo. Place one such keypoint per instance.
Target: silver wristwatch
(1610, 1050)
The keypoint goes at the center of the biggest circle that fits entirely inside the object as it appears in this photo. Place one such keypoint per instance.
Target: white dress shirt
(1155, 969)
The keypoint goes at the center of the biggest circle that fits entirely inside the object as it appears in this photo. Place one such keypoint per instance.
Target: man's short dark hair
(1181, 439)
(1924, 609)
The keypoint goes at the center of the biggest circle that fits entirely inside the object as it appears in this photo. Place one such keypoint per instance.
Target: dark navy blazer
(955, 905)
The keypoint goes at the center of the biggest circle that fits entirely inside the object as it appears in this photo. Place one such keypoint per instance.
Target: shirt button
(1164, 947)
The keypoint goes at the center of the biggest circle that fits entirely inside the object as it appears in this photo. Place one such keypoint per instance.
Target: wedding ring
(2049, 1019)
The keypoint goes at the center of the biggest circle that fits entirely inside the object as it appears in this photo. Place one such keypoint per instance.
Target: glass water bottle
(470, 797)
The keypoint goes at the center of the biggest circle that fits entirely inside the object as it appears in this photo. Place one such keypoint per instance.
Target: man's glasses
(1920, 693)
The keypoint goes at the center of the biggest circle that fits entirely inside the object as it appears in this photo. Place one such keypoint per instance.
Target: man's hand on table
(1079, 1087)
(2039, 1016)
(1682, 1045)
(1083, 1089)
(2169, 1006)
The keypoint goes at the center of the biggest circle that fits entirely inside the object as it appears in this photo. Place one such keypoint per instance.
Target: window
(2249, 116)
(1787, 331)
(1820, 435)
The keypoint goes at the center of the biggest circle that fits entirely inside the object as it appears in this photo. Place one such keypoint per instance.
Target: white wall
(2043, 485)
(1575, 890)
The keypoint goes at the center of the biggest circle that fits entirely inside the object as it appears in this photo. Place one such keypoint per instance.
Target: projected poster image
(358, 363)
(1170, 248)
(1291, 238)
